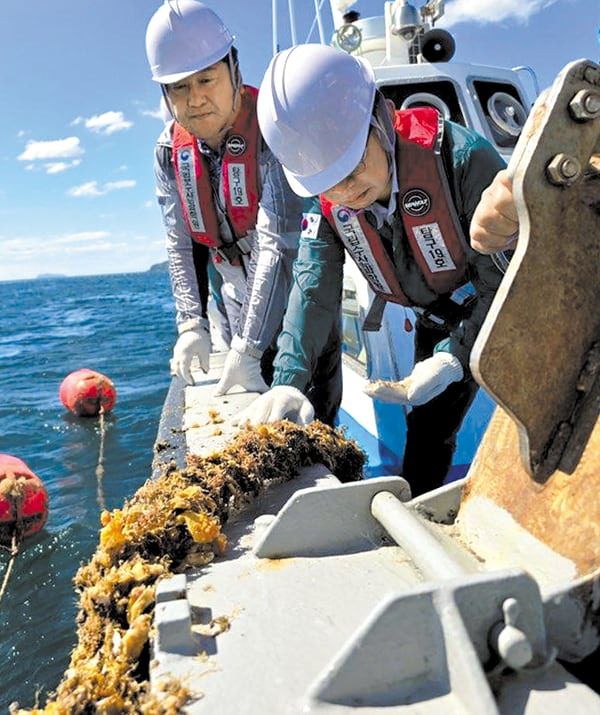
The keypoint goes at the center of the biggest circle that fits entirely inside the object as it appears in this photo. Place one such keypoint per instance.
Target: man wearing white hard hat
(223, 196)
(395, 191)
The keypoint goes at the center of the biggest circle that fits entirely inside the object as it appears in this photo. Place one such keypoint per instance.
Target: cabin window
(441, 94)
(352, 341)
(503, 110)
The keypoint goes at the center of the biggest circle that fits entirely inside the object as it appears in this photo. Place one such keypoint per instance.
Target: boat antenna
(274, 22)
(319, 22)
(292, 21)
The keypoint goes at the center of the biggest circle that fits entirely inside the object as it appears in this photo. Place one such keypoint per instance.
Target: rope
(14, 550)
(100, 465)
(12, 489)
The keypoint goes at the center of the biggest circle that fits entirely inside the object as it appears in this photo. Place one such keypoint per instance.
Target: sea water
(122, 326)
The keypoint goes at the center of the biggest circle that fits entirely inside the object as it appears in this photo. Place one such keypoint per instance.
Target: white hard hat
(314, 109)
(165, 110)
(183, 37)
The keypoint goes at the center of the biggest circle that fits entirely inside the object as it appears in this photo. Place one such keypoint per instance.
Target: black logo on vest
(416, 202)
(236, 145)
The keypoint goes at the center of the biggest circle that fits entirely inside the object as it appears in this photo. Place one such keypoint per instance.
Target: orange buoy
(87, 393)
(23, 500)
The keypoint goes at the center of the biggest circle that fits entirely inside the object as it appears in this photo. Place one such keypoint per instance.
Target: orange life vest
(239, 172)
(427, 210)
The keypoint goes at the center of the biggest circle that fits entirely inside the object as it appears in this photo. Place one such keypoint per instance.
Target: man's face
(368, 182)
(203, 102)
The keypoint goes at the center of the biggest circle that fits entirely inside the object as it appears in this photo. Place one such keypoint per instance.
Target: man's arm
(476, 164)
(314, 301)
(275, 240)
(270, 270)
(312, 309)
(184, 280)
(185, 273)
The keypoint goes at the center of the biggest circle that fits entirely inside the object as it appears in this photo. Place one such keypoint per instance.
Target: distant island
(155, 268)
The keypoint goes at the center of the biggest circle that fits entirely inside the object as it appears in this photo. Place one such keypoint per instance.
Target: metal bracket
(537, 350)
(436, 640)
(329, 520)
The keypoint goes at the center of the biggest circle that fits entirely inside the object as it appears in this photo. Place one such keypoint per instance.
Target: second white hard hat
(183, 37)
(314, 110)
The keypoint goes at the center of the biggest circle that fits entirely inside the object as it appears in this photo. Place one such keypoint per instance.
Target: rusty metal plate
(563, 513)
(538, 351)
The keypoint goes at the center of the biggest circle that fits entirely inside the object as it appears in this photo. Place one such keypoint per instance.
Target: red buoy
(23, 500)
(87, 392)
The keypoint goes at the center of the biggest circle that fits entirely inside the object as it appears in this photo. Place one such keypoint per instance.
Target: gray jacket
(255, 293)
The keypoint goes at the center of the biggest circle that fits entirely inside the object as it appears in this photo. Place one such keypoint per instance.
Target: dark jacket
(313, 306)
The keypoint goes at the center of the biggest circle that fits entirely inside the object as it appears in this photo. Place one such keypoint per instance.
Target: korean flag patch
(310, 225)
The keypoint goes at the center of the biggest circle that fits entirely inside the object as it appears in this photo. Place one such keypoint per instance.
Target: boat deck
(333, 597)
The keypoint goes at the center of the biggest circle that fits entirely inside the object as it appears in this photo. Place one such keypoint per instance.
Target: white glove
(278, 403)
(428, 379)
(191, 343)
(241, 369)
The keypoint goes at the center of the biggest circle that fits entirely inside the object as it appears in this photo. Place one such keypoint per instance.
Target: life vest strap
(372, 323)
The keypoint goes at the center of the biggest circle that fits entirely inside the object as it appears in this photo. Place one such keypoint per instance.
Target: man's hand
(278, 403)
(191, 343)
(495, 224)
(241, 369)
(428, 379)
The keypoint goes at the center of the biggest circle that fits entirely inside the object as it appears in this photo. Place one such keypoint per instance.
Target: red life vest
(239, 172)
(427, 210)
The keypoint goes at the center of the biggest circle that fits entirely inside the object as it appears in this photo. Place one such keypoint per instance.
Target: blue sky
(81, 114)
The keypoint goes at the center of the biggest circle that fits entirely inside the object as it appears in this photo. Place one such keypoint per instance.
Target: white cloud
(154, 113)
(56, 149)
(489, 11)
(57, 167)
(123, 184)
(106, 123)
(24, 248)
(88, 189)
(81, 236)
(92, 188)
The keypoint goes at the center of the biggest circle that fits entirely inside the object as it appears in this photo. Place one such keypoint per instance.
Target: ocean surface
(123, 326)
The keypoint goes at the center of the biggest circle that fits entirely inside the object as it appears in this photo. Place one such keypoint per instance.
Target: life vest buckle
(231, 252)
(244, 246)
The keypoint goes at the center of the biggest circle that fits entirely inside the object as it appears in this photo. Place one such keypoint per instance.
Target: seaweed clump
(171, 523)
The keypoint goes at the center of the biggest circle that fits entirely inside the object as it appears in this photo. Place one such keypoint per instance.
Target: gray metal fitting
(592, 74)
(563, 170)
(585, 105)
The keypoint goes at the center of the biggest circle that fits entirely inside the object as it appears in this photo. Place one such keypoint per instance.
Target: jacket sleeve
(190, 309)
(270, 269)
(314, 301)
(476, 162)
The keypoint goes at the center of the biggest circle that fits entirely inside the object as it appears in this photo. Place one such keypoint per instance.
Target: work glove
(191, 343)
(278, 403)
(241, 369)
(428, 379)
